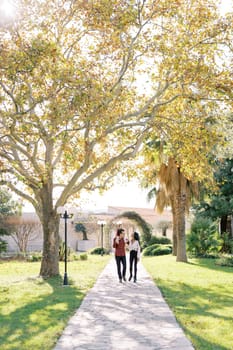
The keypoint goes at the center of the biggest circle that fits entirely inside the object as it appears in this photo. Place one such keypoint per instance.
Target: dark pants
(121, 260)
(133, 261)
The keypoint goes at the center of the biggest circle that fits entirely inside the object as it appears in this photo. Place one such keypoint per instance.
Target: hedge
(158, 249)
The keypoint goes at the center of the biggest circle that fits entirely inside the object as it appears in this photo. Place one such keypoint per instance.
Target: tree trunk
(231, 226)
(223, 224)
(50, 259)
(50, 223)
(181, 247)
(181, 238)
(84, 236)
(21, 244)
(174, 228)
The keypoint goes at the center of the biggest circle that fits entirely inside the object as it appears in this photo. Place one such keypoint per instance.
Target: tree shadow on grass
(205, 344)
(210, 264)
(37, 324)
(200, 305)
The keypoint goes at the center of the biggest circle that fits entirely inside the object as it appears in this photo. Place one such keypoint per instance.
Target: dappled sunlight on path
(123, 316)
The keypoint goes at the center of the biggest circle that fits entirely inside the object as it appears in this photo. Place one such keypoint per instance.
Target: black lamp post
(102, 223)
(66, 216)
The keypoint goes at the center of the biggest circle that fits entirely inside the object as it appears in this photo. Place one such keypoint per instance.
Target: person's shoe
(120, 280)
(135, 280)
(124, 278)
(130, 277)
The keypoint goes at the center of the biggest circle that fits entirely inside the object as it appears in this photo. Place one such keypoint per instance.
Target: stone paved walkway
(115, 316)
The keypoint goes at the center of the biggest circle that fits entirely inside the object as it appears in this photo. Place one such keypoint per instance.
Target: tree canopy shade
(83, 82)
(218, 205)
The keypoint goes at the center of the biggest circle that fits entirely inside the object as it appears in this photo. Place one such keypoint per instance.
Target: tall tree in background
(218, 205)
(23, 231)
(83, 82)
(8, 209)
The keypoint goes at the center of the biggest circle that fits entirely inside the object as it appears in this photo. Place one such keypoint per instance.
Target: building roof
(149, 215)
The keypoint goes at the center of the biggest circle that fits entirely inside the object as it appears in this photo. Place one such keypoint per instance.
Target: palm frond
(162, 200)
(151, 194)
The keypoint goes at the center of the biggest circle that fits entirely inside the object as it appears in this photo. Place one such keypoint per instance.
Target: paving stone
(123, 316)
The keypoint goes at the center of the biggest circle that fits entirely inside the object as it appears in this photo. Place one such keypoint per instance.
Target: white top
(134, 245)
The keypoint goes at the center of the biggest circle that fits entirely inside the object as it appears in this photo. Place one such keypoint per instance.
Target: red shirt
(120, 247)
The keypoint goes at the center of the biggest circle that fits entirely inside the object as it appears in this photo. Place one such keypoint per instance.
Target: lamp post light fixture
(119, 223)
(102, 223)
(66, 216)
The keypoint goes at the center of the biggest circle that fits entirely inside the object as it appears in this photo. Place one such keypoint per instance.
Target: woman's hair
(136, 236)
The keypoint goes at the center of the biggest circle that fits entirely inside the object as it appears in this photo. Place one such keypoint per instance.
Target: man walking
(119, 245)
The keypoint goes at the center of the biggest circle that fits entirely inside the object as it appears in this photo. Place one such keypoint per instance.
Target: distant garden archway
(145, 227)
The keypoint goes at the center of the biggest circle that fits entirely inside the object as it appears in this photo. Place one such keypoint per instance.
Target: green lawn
(201, 296)
(33, 311)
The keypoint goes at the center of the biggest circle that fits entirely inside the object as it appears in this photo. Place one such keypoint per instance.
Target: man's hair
(119, 231)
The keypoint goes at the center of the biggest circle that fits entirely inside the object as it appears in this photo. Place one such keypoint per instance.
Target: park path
(115, 316)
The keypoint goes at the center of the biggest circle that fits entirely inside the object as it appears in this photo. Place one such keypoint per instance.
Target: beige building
(99, 226)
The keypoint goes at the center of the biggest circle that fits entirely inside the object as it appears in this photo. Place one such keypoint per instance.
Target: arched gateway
(139, 224)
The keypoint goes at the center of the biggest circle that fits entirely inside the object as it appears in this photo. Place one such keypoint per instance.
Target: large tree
(83, 82)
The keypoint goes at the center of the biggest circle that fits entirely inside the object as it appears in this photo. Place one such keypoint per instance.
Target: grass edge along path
(33, 311)
(200, 294)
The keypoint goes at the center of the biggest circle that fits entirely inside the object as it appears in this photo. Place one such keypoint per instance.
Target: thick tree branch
(126, 154)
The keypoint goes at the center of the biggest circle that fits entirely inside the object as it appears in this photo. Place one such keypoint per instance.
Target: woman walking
(134, 255)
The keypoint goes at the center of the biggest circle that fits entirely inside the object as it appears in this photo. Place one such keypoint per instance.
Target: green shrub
(83, 256)
(35, 256)
(159, 240)
(73, 256)
(205, 256)
(157, 249)
(227, 243)
(225, 261)
(62, 251)
(156, 240)
(147, 251)
(162, 250)
(203, 239)
(3, 246)
(98, 251)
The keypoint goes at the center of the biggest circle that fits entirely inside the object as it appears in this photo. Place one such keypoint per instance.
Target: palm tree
(162, 201)
(79, 227)
(177, 191)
